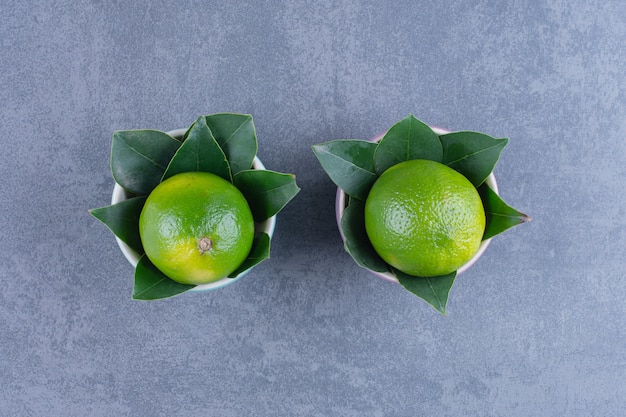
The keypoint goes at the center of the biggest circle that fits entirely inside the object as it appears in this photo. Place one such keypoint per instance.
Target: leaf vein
(234, 132)
(352, 164)
(469, 155)
(508, 216)
(141, 154)
(275, 189)
(434, 292)
(151, 286)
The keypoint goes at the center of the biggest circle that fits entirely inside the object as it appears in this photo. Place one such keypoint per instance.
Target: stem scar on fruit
(204, 245)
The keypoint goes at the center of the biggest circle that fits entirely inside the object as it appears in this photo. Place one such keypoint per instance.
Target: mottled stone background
(536, 328)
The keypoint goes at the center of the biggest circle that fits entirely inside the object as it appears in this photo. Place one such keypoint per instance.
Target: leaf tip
(316, 148)
(93, 213)
(441, 308)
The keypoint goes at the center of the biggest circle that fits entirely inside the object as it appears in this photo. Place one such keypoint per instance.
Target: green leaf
(139, 158)
(267, 192)
(152, 284)
(123, 220)
(408, 139)
(499, 215)
(199, 152)
(236, 135)
(357, 243)
(259, 252)
(186, 134)
(472, 154)
(433, 290)
(350, 164)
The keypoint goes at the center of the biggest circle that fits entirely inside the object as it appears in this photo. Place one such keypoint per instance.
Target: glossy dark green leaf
(259, 252)
(267, 192)
(406, 140)
(499, 215)
(236, 135)
(200, 152)
(350, 164)
(357, 243)
(123, 220)
(152, 284)
(472, 154)
(139, 158)
(186, 134)
(433, 290)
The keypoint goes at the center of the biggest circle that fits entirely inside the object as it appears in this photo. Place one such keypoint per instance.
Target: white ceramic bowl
(119, 194)
(340, 206)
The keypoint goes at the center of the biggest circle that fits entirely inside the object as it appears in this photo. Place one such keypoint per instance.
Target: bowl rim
(268, 226)
(340, 206)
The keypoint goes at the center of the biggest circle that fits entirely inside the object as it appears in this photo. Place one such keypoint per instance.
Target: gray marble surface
(535, 328)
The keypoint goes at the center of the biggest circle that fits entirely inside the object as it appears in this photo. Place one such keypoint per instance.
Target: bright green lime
(424, 218)
(196, 227)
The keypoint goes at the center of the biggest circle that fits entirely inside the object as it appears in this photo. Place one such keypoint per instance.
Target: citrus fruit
(424, 218)
(196, 227)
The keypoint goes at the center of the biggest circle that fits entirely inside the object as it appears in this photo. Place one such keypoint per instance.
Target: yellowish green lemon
(424, 218)
(196, 227)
